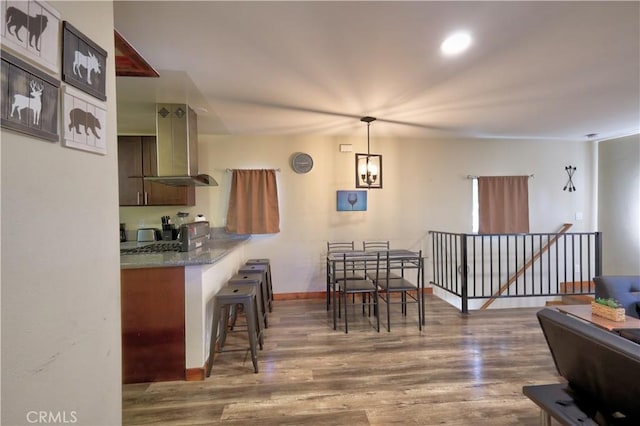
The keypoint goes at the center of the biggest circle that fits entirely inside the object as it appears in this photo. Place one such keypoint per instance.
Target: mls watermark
(52, 417)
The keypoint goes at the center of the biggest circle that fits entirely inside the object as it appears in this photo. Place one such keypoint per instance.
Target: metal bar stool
(257, 280)
(255, 268)
(265, 261)
(227, 297)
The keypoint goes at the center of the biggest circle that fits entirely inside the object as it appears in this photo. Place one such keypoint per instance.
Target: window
(475, 209)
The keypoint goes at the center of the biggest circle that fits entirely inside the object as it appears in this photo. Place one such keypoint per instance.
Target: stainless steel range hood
(177, 147)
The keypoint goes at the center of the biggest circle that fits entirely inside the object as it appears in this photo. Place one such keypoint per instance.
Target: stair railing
(565, 227)
(473, 267)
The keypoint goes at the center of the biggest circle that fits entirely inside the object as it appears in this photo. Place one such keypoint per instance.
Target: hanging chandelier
(368, 166)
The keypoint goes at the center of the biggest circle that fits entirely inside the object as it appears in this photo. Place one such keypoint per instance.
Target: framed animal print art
(84, 122)
(31, 29)
(29, 99)
(83, 62)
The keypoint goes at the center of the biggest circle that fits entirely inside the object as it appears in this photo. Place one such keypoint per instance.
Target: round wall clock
(301, 162)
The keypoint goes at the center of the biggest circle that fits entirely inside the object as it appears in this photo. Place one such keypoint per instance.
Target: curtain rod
(476, 177)
(230, 170)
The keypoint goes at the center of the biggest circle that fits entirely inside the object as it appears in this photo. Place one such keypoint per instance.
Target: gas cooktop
(192, 236)
(157, 247)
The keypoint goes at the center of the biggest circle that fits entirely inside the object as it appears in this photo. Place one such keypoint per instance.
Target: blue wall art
(349, 201)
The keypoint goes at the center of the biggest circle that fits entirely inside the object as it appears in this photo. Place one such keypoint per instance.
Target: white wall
(425, 188)
(60, 266)
(619, 205)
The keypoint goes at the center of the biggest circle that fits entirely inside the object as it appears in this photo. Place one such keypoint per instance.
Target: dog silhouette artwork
(90, 63)
(80, 117)
(35, 25)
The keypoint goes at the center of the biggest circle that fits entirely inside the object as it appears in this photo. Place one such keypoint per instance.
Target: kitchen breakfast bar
(166, 307)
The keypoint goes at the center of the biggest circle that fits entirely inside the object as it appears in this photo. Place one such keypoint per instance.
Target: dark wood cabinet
(153, 324)
(137, 158)
(130, 182)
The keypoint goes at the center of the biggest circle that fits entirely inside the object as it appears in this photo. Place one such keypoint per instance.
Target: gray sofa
(625, 289)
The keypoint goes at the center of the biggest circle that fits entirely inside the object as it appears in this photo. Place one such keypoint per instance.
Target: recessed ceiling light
(456, 43)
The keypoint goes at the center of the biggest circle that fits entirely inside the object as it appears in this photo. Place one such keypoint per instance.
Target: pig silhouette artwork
(35, 25)
(80, 117)
(90, 63)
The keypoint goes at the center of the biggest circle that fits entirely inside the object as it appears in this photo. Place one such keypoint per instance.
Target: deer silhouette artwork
(34, 103)
(90, 63)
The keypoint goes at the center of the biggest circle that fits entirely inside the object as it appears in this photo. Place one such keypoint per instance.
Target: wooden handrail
(514, 277)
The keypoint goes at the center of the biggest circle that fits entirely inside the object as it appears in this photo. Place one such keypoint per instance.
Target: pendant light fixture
(368, 166)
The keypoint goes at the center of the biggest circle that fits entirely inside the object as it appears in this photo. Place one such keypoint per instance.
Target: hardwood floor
(460, 370)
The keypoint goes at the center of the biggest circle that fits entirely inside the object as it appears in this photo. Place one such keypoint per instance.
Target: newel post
(598, 254)
(462, 269)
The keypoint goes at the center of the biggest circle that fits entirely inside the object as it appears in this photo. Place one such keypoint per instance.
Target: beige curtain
(503, 203)
(253, 203)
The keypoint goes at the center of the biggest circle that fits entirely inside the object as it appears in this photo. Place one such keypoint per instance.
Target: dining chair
(334, 271)
(375, 245)
(408, 291)
(370, 246)
(345, 286)
(340, 246)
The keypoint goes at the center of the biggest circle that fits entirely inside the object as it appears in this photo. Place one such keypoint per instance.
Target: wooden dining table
(366, 261)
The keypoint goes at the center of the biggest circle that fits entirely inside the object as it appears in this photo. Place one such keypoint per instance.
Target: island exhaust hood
(177, 147)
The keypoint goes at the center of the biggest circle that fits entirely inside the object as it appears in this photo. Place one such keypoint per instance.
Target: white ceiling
(536, 70)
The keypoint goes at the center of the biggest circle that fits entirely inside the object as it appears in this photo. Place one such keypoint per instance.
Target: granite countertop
(217, 247)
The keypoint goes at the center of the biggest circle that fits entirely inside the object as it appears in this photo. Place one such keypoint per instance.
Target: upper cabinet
(137, 158)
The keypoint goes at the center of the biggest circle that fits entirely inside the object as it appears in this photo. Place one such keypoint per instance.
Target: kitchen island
(166, 307)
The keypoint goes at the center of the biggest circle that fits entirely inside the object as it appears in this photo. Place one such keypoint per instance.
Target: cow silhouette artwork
(34, 102)
(35, 25)
(79, 117)
(89, 62)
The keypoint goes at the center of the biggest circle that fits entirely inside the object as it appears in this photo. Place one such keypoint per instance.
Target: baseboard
(297, 296)
(198, 374)
(195, 374)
